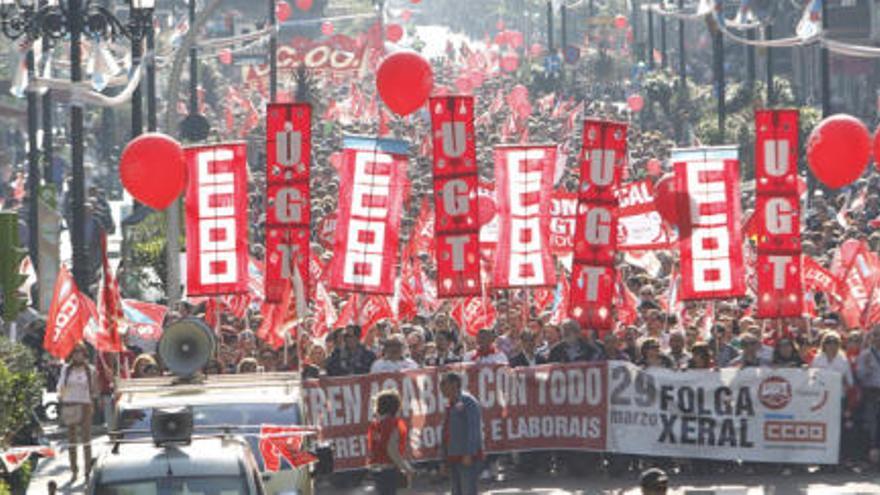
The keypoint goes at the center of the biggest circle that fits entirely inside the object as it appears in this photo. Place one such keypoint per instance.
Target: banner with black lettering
(708, 213)
(595, 244)
(749, 414)
(456, 225)
(551, 407)
(777, 206)
(288, 197)
(524, 187)
(371, 188)
(216, 219)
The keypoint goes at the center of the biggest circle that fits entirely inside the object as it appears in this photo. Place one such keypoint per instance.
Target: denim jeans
(464, 478)
(386, 481)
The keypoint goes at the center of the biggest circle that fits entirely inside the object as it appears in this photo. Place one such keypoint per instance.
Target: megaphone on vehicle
(186, 346)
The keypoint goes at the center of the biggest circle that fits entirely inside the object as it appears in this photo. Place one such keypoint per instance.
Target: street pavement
(769, 482)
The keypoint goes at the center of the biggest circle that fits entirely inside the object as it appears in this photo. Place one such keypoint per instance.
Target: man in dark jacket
(462, 446)
(574, 347)
(527, 356)
(352, 358)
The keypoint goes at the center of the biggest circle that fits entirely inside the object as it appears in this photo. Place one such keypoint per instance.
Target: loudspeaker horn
(186, 346)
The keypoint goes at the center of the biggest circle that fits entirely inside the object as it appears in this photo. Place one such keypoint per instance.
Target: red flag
(275, 319)
(66, 318)
(284, 442)
(474, 313)
(109, 306)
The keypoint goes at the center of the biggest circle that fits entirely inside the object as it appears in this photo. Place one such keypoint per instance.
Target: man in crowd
(351, 358)
(392, 359)
(574, 346)
(462, 446)
(527, 356)
(486, 352)
(868, 373)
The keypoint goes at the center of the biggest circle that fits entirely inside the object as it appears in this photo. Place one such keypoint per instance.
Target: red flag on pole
(66, 318)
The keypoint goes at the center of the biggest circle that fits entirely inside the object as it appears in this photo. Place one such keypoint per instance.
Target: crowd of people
(702, 335)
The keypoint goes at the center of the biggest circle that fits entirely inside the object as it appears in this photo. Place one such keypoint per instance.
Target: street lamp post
(56, 21)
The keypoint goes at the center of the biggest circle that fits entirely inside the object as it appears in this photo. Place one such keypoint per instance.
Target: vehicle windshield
(215, 485)
(250, 415)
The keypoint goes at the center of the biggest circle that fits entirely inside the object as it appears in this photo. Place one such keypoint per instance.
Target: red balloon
(282, 10)
(499, 25)
(502, 38)
(304, 4)
(636, 103)
(486, 210)
(404, 81)
(327, 28)
(393, 32)
(877, 148)
(152, 170)
(621, 22)
(415, 1)
(838, 150)
(225, 56)
(406, 15)
(666, 199)
(509, 61)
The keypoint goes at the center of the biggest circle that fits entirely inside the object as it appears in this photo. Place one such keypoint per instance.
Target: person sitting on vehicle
(392, 357)
(654, 481)
(246, 365)
(145, 366)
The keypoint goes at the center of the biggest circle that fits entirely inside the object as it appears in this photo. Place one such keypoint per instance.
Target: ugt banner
(456, 224)
(371, 188)
(777, 201)
(288, 197)
(216, 219)
(551, 407)
(595, 243)
(750, 414)
(524, 181)
(708, 210)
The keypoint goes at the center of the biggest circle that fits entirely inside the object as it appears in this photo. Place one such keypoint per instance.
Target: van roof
(208, 456)
(252, 388)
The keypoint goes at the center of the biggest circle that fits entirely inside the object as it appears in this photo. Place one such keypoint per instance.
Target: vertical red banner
(457, 239)
(709, 213)
(595, 243)
(288, 196)
(371, 189)
(216, 219)
(524, 181)
(777, 210)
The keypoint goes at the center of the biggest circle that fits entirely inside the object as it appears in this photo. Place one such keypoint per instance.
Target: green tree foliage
(20, 389)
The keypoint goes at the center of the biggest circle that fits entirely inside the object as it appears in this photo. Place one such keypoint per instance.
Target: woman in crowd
(786, 354)
(77, 392)
(387, 439)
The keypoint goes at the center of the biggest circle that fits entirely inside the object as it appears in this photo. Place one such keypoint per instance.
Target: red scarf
(488, 352)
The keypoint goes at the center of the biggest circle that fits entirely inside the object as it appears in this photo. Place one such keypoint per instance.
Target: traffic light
(11, 255)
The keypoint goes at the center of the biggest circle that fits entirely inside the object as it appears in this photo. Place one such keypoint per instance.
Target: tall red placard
(288, 197)
(456, 225)
(595, 243)
(524, 181)
(216, 219)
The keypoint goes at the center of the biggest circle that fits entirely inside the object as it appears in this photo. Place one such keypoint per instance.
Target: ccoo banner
(288, 197)
(371, 189)
(710, 238)
(595, 244)
(750, 414)
(778, 213)
(524, 181)
(456, 225)
(216, 219)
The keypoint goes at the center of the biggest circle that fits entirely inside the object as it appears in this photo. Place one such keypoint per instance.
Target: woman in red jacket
(387, 438)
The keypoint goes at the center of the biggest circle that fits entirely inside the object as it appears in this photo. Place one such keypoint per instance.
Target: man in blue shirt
(462, 446)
